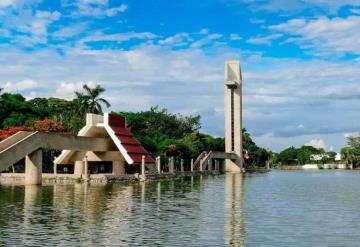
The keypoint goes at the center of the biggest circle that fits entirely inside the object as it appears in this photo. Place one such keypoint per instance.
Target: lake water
(281, 208)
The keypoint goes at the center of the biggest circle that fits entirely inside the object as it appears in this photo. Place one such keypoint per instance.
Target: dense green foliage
(303, 155)
(15, 110)
(351, 153)
(166, 134)
(162, 133)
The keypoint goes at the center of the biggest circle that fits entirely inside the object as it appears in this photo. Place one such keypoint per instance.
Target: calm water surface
(281, 208)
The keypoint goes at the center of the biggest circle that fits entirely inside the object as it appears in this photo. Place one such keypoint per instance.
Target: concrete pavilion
(126, 159)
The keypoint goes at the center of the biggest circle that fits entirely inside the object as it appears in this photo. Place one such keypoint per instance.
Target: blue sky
(300, 59)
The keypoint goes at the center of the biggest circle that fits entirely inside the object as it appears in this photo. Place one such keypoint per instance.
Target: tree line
(350, 155)
(162, 133)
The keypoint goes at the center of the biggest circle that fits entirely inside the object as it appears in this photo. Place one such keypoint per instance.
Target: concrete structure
(129, 151)
(104, 146)
(233, 116)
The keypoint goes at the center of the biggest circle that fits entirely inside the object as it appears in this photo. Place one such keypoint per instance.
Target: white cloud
(235, 36)
(32, 27)
(316, 143)
(69, 31)
(113, 11)
(264, 40)
(206, 40)
(6, 3)
(17, 4)
(179, 39)
(95, 8)
(20, 85)
(297, 6)
(117, 37)
(346, 135)
(323, 35)
(67, 89)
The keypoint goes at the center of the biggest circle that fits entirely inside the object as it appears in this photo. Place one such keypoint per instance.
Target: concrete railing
(24, 143)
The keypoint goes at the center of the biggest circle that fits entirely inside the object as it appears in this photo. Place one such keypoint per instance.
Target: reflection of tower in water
(234, 221)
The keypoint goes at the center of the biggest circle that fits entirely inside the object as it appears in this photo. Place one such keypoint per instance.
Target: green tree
(90, 101)
(156, 126)
(351, 153)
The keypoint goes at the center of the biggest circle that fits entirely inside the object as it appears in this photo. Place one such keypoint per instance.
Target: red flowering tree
(48, 125)
(7, 132)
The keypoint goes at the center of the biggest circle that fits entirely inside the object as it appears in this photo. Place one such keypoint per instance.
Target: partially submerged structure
(126, 159)
(104, 146)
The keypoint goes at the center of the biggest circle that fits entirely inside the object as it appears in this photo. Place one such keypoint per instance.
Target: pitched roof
(129, 146)
(114, 126)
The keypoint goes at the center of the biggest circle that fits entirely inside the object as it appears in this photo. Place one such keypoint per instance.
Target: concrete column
(201, 167)
(158, 193)
(192, 165)
(86, 167)
(182, 165)
(171, 165)
(158, 164)
(79, 168)
(233, 115)
(55, 169)
(217, 165)
(210, 164)
(33, 168)
(118, 168)
(143, 165)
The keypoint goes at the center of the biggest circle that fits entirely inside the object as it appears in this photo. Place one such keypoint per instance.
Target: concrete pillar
(233, 115)
(210, 164)
(158, 193)
(55, 169)
(86, 167)
(118, 168)
(32, 200)
(267, 165)
(158, 164)
(171, 165)
(192, 165)
(79, 168)
(143, 192)
(143, 165)
(182, 165)
(216, 165)
(33, 168)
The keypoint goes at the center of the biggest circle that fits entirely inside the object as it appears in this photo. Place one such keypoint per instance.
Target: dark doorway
(97, 167)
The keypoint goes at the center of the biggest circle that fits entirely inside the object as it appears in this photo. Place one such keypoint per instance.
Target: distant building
(318, 157)
(338, 157)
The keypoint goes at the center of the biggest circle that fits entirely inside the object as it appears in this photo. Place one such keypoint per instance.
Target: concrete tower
(233, 115)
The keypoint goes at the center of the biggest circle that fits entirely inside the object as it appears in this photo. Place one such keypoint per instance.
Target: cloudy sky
(300, 59)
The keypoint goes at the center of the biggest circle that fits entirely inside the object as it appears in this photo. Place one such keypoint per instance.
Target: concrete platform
(49, 178)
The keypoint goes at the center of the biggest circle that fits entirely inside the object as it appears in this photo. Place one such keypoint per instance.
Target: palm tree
(90, 101)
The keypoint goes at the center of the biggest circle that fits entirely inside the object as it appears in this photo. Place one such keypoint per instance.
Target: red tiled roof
(128, 141)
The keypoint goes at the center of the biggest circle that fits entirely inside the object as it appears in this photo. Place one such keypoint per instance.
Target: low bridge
(205, 158)
(25, 144)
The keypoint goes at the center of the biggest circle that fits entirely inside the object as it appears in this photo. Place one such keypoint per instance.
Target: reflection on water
(234, 226)
(292, 208)
(197, 211)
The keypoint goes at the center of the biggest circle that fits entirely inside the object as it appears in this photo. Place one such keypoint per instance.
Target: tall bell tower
(233, 115)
